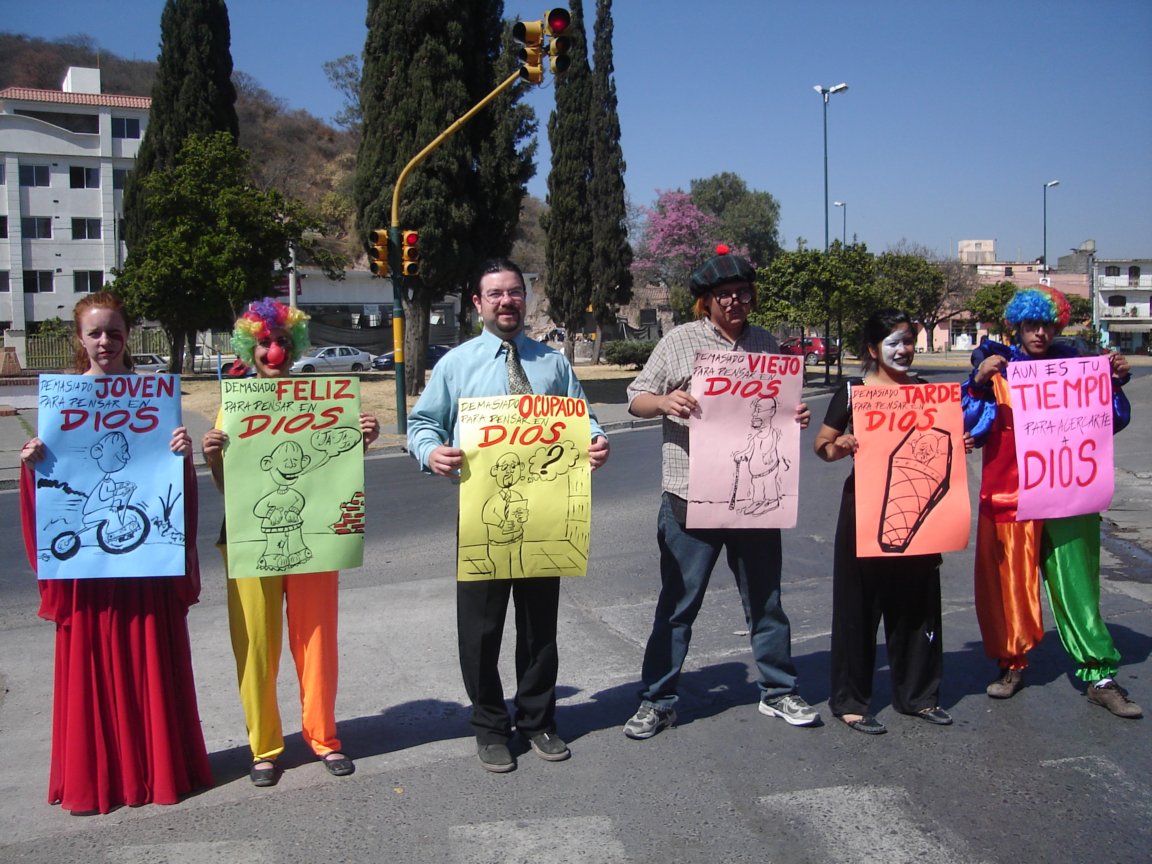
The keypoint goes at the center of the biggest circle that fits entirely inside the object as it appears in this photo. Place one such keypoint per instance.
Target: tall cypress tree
(506, 133)
(193, 94)
(569, 221)
(611, 252)
(426, 64)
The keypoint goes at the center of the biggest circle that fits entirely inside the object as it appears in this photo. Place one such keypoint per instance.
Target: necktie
(517, 380)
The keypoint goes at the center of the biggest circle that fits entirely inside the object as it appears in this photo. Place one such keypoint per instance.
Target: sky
(957, 113)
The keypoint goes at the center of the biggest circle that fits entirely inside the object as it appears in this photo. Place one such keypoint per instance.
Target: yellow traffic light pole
(531, 34)
(394, 248)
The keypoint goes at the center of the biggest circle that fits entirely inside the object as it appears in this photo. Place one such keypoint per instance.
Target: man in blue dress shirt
(496, 363)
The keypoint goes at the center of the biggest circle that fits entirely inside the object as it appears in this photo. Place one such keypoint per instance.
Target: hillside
(293, 151)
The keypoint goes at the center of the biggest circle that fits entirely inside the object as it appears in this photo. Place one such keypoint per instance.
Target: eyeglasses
(726, 298)
(283, 341)
(516, 295)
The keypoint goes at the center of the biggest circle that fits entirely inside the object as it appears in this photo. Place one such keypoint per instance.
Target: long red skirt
(125, 726)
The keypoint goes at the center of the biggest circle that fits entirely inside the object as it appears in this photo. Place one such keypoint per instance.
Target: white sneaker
(792, 708)
(648, 720)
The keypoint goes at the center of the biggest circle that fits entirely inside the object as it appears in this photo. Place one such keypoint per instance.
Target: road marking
(227, 852)
(577, 840)
(1099, 768)
(867, 823)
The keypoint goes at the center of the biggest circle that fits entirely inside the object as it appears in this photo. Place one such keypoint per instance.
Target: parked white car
(149, 363)
(333, 358)
(204, 359)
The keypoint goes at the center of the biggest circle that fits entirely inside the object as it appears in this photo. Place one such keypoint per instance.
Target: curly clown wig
(1038, 304)
(256, 325)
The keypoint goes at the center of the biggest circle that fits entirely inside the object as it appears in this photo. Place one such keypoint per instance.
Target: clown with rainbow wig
(1011, 555)
(256, 325)
(270, 336)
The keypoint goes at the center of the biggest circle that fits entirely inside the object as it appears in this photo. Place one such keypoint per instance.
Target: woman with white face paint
(904, 591)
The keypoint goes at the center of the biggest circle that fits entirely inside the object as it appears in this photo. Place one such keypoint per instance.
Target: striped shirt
(670, 368)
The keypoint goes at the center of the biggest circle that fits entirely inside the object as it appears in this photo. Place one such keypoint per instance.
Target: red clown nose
(275, 356)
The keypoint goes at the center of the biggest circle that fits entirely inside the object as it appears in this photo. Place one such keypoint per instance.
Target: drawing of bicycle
(120, 527)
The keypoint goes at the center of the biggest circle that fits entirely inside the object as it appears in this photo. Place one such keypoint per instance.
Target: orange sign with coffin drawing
(911, 481)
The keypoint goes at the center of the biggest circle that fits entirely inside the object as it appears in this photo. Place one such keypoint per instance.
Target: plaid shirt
(670, 368)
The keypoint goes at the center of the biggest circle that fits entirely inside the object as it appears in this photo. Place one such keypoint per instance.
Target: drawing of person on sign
(279, 510)
(119, 526)
(763, 459)
(505, 514)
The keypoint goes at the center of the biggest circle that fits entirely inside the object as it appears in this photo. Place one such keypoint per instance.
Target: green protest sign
(293, 475)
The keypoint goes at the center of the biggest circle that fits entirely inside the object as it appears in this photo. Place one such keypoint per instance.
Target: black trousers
(481, 608)
(904, 591)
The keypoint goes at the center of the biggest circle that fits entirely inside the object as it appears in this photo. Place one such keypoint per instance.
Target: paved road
(1042, 777)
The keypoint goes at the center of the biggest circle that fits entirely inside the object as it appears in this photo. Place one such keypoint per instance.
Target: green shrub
(628, 353)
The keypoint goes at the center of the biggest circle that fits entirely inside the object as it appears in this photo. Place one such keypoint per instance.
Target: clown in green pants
(1070, 562)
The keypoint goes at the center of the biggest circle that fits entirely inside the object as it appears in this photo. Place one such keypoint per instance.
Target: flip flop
(338, 764)
(867, 724)
(266, 776)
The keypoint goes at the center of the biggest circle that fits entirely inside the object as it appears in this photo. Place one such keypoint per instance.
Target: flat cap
(721, 268)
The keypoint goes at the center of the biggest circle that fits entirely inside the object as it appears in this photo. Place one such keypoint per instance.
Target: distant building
(960, 332)
(357, 310)
(64, 158)
(1122, 303)
(977, 251)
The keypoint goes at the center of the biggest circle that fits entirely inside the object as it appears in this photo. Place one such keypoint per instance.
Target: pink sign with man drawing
(743, 464)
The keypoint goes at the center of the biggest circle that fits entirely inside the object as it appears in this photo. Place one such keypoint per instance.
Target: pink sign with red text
(743, 463)
(1062, 412)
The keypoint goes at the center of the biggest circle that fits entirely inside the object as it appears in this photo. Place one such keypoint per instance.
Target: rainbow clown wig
(256, 325)
(1040, 303)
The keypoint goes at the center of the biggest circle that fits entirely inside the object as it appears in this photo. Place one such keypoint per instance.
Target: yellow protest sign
(526, 487)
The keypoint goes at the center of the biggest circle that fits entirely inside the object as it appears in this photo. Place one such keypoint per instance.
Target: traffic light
(557, 21)
(378, 251)
(558, 47)
(409, 253)
(556, 24)
(531, 35)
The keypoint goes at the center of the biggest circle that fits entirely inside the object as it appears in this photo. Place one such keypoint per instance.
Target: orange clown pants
(1008, 589)
(255, 620)
(1010, 557)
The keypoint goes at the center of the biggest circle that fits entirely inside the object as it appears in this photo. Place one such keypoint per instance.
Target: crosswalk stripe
(866, 823)
(1100, 768)
(574, 840)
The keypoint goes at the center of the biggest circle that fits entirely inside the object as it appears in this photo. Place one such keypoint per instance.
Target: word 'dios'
(1061, 467)
(752, 388)
(114, 402)
(912, 406)
(539, 408)
(741, 375)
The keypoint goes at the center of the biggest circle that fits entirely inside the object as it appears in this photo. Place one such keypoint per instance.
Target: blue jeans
(687, 558)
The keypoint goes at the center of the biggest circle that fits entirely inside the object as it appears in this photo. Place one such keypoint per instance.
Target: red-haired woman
(125, 726)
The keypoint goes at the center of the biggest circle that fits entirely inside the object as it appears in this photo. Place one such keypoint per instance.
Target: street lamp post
(825, 93)
(844, 226)
(1047, 186)
(1092, 296)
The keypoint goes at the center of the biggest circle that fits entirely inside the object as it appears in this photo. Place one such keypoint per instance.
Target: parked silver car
(333, 358)
(149, 363)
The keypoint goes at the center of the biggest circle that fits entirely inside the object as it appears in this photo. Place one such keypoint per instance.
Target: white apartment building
(1123, 303)
(64, 157)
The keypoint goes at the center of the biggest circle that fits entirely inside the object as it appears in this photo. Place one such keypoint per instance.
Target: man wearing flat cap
(724, 288)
